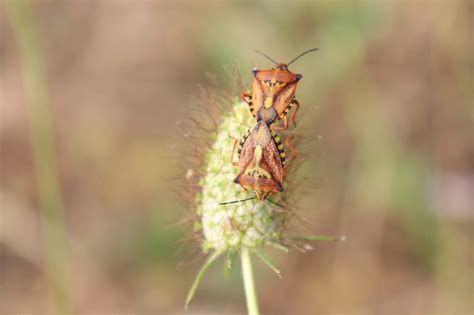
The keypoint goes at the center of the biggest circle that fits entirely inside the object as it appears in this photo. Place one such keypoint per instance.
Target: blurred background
(90, 153)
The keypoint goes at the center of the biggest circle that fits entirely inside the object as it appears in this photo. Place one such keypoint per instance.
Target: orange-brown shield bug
(273, 93)
(261, 161)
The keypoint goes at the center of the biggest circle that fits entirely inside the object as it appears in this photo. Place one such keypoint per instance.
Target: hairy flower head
(250, 223)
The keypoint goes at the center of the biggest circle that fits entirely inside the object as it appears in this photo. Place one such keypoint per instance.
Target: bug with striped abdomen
(261, 161)
(273, 93)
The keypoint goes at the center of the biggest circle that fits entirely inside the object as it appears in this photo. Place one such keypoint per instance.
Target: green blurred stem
(37, 100)
(249, 283)
(200, 275)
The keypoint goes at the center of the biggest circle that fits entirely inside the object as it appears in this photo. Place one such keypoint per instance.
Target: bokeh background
(91, 217)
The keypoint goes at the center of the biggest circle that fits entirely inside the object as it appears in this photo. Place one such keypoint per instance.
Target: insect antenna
(275, 203)
(236, 201)
(269, 58)
(301, 55)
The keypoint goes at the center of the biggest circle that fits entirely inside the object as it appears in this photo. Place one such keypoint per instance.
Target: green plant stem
(200, 275)
(49, 192)
(249, 283)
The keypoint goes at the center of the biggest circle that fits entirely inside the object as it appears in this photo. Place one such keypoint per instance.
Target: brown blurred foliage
(388, 101)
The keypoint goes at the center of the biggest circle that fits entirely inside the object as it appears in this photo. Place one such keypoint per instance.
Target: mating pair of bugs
(261, 154)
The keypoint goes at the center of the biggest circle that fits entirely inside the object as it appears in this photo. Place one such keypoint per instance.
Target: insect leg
(291, 147)
(247, 98)
(233, 152)
(281, 128)
(293, 116)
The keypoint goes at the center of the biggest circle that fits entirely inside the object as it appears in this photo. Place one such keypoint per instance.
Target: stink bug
(273, 93)
(261, 161)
